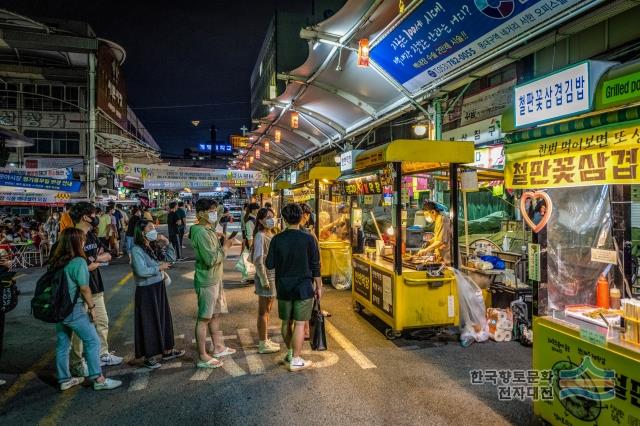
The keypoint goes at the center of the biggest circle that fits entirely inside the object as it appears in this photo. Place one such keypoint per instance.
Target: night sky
(178, 53)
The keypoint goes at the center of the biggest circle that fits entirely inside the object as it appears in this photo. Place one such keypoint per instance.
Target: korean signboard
(438, 38)
(45, 198)
(368, 185)
(346, 161)
(37, 119)
(561, 94)
(111, 90)
(62, 173)
(489, 103)
(601, 156)
(482, 132)
(37, 182)
(223, 177)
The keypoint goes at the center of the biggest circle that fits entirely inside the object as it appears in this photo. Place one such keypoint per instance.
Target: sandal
(173, 354)
(212, 363)
(226, 351)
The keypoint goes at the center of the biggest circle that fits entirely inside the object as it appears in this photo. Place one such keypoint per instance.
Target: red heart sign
(533, 196)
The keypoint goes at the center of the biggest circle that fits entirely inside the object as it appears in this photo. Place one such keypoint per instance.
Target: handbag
(166, 278)
(8, 292)
(318, 337)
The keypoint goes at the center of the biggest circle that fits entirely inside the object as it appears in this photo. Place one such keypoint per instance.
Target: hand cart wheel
(391, 334)
(357, 306)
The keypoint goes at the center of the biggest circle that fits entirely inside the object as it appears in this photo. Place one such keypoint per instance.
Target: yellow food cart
(386, 281)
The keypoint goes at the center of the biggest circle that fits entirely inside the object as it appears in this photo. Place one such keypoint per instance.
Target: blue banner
(438, 37)
(39, 182)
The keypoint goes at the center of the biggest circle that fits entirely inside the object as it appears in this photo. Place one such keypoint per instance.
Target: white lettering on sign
(346, 161)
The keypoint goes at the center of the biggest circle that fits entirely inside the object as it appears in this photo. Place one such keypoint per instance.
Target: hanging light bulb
(267, 146)
(278, 135)
(294, 119)
(251, 159)
(247, 164)
(401, 7)
(363, 52)
(257, 153)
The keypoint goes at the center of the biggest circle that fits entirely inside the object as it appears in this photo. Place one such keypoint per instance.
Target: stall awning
(323, 172)
(264, 190)
(282, 185)
(409, 151)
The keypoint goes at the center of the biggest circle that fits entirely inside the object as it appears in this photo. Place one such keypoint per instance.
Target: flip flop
(225, 352)
(212, 363)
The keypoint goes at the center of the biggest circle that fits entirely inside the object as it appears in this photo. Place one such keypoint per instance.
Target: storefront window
(52, 142)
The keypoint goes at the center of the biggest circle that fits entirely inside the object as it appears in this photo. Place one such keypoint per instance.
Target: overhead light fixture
(251, 159)
(420, 129)
(401, 7)
(337, 159)
(257, 153)
(247, 164)
(294, 119)
(315, 44)
(363, 52)
(267, 146)
(271, 108)
(277, 136)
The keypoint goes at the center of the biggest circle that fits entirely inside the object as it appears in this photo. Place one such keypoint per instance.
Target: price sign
(362, 279)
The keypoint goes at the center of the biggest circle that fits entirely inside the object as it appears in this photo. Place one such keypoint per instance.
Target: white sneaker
(110, 359)
(268, 347)
(298, 364)
(108, 384)
(74, 381)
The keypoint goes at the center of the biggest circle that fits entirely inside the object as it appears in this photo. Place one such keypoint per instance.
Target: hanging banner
(36, 182)
(488, 103)
(600, 156)
(213, 177)
(63, 173)
(438, 38)
(34, 199)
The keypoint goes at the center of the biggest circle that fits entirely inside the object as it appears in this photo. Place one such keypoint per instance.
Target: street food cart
(402, 289)
(578, 177)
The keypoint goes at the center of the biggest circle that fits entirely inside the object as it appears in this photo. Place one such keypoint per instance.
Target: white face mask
(269, 222)
(213, 217)
(152, 235)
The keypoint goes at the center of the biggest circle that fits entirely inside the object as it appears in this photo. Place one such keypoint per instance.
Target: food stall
(404, 290)
(577, 178)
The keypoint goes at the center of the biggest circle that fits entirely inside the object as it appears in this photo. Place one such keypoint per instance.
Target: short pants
(211, 300)
(296, 310)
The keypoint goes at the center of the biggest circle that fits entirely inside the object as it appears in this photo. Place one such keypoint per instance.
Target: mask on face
(152, 235)
(213, 217)
(93, 221)
(270, 223)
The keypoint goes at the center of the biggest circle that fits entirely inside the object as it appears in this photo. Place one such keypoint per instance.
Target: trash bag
(472, 310)
(341, 268)
(318, 339)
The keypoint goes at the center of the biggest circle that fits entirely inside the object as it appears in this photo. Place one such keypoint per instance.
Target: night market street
(362, 379)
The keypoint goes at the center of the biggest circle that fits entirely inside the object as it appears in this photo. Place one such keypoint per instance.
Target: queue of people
(287, 269)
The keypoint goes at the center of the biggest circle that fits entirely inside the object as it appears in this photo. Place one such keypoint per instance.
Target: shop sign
(592, 382)
(37, 182)
(486, 104)
(564, 93)
(438, 38)
(534, 262)
(63, 173)
(34, 119)
(491, 157)
(362, 279)
(347, 160)
(111, 89)
(482, 132)
(602, 156)
(625, 89)
(604, 256)
(294, 178)
(367, 185)
(382, 291)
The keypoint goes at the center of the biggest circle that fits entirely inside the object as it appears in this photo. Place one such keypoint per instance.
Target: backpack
(51, 300)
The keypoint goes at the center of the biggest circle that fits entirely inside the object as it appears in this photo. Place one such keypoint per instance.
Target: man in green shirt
(104, 222)
(209, 256)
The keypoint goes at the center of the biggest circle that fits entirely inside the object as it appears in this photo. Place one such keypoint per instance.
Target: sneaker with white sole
(152, 364)
(110, 359)
(298, 364)
(268, 347)
(74, 381)
(108, 384)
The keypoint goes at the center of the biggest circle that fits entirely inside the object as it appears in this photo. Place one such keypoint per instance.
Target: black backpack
(51, 300)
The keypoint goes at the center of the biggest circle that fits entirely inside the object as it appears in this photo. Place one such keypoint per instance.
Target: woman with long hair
(265, 280)
(69, 254)
(153, 321)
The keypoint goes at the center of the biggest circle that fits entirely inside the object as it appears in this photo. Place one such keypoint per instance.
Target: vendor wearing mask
(440, 244)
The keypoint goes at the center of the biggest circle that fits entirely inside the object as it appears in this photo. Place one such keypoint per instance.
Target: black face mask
(93, 221)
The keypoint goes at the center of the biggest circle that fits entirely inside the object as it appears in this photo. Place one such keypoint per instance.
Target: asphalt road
(362, 379)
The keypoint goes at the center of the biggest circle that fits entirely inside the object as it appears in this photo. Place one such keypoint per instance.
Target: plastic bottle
(602, 292)
(506, 242)
(614, 298)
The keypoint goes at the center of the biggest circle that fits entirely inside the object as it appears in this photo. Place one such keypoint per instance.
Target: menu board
(382, 290)
(362, 279)
(363, 186)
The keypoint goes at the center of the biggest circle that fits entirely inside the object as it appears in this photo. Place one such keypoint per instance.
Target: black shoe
(152, 364)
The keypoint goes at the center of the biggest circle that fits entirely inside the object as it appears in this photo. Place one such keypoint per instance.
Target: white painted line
(349, 347)
(231, 367)
(202, 374)
(140, 380)
(256, 366)
(171, 365)
(231, 337)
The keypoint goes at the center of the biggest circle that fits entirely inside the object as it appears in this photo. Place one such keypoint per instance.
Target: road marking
(61, 406)
(256, 366)
(140, 380)
(328, 358)
(119, 286)
(349, 347)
